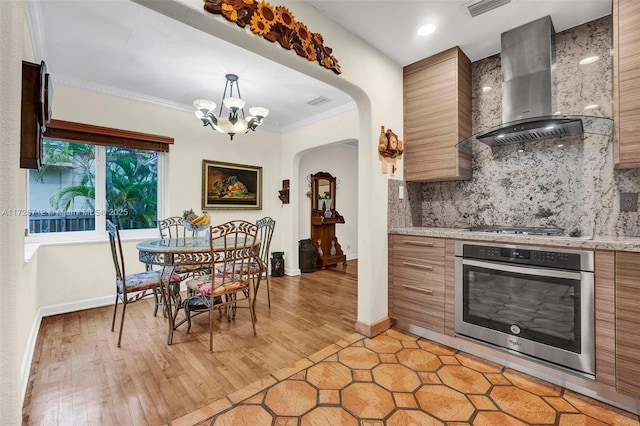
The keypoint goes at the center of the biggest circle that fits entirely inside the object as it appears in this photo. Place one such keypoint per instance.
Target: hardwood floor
(79, 376)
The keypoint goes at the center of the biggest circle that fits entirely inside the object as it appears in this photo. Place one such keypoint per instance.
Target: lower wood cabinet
(628, 323)
(416, 281)
(421, 293)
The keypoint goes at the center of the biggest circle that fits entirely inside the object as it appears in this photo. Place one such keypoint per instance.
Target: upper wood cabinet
(437, 115)
(626, 83)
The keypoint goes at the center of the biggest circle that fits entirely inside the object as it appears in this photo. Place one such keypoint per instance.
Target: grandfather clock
(324, 217)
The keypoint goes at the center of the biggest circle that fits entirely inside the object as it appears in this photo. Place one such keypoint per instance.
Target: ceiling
(123, 48)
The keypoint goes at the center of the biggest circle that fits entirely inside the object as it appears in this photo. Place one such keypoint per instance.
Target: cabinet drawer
(411, 247)
(418, 270)
(420, 291)
(420, 304)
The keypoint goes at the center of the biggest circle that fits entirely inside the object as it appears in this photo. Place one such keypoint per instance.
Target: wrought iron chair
(133, 287)
(233, 249)
(172, 227)
(266, 225)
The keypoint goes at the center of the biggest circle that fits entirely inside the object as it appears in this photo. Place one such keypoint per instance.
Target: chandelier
(232, 124)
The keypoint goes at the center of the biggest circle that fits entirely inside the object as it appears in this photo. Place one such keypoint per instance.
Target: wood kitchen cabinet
(626, 83)
(437, 115)
(417, 281)
(628, 323)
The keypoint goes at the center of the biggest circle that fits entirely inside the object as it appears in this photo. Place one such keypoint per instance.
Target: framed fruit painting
(231, 186)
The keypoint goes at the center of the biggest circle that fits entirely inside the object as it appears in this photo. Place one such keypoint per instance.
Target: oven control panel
(526, 256)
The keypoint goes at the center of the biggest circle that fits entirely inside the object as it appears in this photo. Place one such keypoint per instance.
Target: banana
(198, 220)
(207, 219)
(203, 219)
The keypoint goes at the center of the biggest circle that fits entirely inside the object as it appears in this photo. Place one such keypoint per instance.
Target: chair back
(234, 246)
(116, 251)
(266, 225)
(172, 227)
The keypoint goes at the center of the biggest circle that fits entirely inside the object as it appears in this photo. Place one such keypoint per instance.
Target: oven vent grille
(484, 6)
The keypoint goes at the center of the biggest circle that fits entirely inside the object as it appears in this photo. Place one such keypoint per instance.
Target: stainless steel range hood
(528, 92)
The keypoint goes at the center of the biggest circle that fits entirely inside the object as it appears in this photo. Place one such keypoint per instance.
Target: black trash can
(307, 256)
(277, 264)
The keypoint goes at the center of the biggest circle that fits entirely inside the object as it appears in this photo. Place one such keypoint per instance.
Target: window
(88, 177)
(62, 192)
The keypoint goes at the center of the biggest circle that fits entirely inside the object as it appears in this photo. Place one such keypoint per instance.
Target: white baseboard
(78, 305)
(25, 369)
(292, 272)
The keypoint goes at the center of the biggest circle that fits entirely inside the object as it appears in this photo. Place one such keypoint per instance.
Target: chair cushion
(201, 302)
(145, 280)
(251, 268)
(203, 285)
(186, 269)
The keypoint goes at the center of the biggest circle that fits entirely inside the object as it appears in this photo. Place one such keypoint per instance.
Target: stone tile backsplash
(569, 182)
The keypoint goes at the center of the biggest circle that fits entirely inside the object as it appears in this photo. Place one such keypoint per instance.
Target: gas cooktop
(524, 230)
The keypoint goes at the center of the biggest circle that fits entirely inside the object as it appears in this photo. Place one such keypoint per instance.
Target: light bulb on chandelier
(233, 124)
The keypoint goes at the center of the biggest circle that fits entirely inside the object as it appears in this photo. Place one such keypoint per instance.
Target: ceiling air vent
(483, 6)
(320, 100)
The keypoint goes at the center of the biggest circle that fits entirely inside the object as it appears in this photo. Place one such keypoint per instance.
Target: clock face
(45, 96)
(48, 98)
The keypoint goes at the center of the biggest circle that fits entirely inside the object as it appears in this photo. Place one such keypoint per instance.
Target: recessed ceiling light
(589, 60)
(486, 89)
(592, 106)
(427, 29)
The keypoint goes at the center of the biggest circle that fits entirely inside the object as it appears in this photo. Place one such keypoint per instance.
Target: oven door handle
(525, 270)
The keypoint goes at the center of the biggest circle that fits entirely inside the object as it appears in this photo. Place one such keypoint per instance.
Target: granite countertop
(593, 243)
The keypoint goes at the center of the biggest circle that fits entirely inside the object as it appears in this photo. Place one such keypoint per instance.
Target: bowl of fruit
(195, 223)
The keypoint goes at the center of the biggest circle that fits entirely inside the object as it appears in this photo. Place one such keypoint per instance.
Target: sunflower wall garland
(276, 24)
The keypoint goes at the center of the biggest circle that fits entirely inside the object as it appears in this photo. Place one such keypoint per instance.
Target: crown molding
(34, 21)
(114, 91)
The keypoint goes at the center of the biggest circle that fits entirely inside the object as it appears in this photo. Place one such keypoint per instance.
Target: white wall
(342, 162)
(192, 143)
(17, 284)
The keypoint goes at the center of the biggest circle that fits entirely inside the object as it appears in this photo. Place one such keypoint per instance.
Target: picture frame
(227, 186)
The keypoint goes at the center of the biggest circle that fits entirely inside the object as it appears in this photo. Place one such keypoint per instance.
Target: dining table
(187, 251)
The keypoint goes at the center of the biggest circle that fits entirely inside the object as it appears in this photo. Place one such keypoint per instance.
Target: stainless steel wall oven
(534, 300)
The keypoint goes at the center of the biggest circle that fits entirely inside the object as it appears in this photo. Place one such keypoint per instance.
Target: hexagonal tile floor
(397, 378)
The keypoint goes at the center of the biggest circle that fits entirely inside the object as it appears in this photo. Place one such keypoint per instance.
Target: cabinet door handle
(419, 243)
(418, 266)
(421, 290)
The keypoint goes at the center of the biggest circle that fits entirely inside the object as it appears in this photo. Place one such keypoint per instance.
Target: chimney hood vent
(528, 88)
